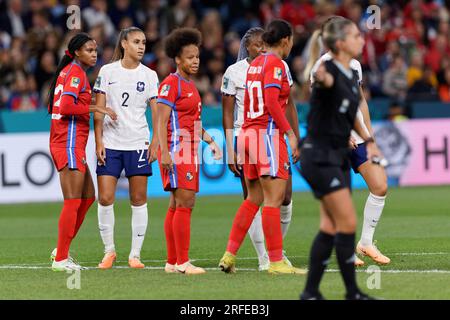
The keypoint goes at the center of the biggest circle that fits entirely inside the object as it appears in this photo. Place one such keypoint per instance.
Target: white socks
(139, 222)
(285, 215)
(106, 226)
(257, 236)
(372, 213)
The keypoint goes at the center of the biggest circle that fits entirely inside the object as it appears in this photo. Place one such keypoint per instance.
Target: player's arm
(153, 148)
(163, 116)
(372, 148)
(228, 102)
(292, 116)
(100, 99)
(364, 107)
(215, 149)
(322, 77)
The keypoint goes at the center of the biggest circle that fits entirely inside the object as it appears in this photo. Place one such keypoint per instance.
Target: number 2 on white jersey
(251, 85)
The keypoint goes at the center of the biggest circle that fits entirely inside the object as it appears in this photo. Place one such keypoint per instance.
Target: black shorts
(325, 170)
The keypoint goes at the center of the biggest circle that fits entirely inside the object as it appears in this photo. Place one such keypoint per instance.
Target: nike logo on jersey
(335, 183)
(112, 82)
(190, 94)
(141, 165)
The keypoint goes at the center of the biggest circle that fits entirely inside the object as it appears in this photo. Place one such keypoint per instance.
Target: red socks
(181, 226)
(272, 233)
(82, 210)
(66, 227)
(241, 223)
(170, 240)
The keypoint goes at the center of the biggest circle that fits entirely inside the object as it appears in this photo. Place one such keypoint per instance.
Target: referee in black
(325, 156)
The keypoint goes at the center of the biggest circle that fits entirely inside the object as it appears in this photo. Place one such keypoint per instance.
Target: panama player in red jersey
(69, 106)
(179, 128)
(263, 150)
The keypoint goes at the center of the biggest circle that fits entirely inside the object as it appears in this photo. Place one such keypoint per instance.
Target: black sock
(318, 260)
(345, 250)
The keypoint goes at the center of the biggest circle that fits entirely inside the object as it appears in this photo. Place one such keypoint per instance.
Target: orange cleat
(358, 262)
(107, 261)
(189, 268)
(373, 253)
(170, 268)
(135, 263)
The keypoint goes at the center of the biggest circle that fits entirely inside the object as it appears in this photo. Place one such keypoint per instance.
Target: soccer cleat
(373, 253)
(263, 263)
(281, 267)
(53, 255)
(285, 258)
(308, 296)
(359, 296)
(135, 263)
(170, 268)
(189, 268)
(228, 263)
(358, 262)
(107, 261)
(65, 265)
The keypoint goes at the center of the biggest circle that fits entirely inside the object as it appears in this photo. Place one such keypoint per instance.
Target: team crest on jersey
(189, 176)
(75, 82)
(225, 82)
(277, 73)
(164, 90)
(98, 81)
(140, 86)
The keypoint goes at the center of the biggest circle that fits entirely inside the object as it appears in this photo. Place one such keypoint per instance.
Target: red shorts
(185, 172)
(74, 158)
(262, 154)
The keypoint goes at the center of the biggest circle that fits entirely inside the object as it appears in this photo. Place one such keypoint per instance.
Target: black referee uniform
(325, 155)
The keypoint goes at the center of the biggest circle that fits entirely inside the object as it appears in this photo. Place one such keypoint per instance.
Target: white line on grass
(34, 267)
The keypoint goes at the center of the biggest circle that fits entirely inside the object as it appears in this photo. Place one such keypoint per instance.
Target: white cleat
(285, 258)
(70, 258)
(65, 265)
(263, 263)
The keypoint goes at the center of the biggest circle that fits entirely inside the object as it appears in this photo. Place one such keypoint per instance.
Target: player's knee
(138, 199)
(105, 200)
(379, 189)
(186, 203)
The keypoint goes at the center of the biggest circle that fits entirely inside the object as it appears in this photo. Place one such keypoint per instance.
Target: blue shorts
(134, 162)
(358, 156)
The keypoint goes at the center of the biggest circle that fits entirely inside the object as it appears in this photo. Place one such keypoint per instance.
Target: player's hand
(373, 152)
(166, 161)
(110, 112)
(320, 74)
(152, 152)
(293, 143)
(352, 143)
(234, 167)
(101, 153)
(215, 149)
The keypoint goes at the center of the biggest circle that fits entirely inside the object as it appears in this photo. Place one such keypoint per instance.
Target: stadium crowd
(406, 59)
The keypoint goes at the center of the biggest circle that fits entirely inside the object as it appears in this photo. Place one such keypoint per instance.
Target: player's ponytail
(277, 30)
(314, 53)
(74, 44)
(119, 51)
(245, 41)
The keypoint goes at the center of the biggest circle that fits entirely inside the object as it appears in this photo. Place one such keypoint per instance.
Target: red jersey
(183, 97)
(70, 123)
(266, 71)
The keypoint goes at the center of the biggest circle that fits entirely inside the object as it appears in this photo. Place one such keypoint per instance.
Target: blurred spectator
(444, 88)
(396, 112)
(394, 79)
(122, 9)
(11, 20)
(96, 15)
(424, 89)
(298, 13)
(24, 96)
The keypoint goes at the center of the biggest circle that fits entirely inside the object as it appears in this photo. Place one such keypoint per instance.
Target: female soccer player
(373, 174)
(265, 157)
(69, 105)
(233, 89)
(325, 156)
(179, 125)
(128, 87)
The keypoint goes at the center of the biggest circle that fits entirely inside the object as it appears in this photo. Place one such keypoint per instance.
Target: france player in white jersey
(128, 87)
(233, 90)
(373, 174)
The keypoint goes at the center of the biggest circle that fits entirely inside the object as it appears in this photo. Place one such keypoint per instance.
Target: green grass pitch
(414, 232)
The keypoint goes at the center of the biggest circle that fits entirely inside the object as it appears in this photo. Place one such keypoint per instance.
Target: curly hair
(180, 38)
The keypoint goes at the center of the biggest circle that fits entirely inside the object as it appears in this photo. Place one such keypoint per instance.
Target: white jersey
(233, 83)
(128, 92)
(355, 65)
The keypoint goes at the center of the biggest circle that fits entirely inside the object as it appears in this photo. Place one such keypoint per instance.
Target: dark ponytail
(74, 44)
(277, 30)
